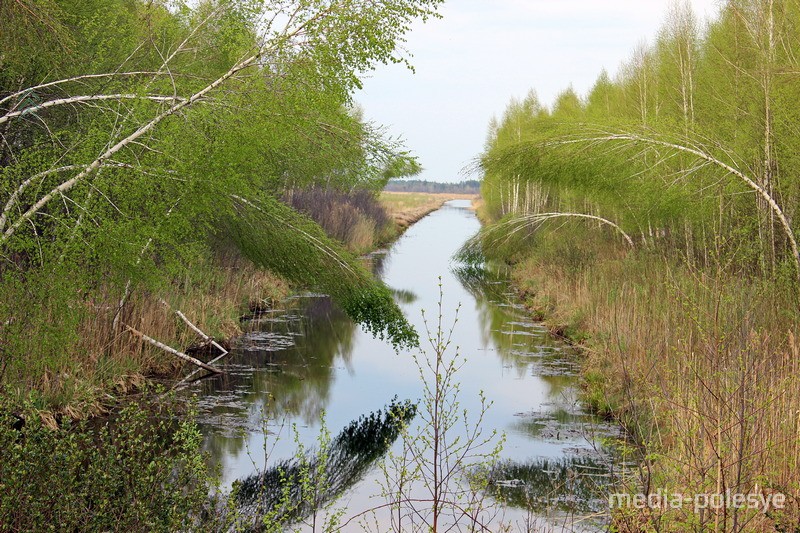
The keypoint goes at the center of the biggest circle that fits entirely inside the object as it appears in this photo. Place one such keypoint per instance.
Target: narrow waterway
(307, 358)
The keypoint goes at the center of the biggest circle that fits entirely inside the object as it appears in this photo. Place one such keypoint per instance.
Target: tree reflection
(521, 343)
(571, 485)
(295, 488)
(283, 366)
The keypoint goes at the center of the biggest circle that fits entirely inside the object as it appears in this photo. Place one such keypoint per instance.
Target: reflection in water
(507, 324)
(283, 367)
(573, 485)
(294, 488)
(307, 359)
(403, 296)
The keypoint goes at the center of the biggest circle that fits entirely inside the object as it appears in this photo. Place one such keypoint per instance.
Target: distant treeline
(464, 187)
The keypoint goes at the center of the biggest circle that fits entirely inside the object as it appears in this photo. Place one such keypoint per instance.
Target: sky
(470, 63)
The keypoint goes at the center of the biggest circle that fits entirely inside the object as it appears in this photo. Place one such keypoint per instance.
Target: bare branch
(89, 169)
(86, 98)
(173, 351)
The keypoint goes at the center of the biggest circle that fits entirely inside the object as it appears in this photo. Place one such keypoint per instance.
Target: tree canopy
(691, 146)
(135, 134)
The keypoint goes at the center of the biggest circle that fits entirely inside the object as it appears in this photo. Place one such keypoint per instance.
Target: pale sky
(470, 63)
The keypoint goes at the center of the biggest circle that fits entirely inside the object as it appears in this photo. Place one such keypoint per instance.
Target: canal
(306, 360)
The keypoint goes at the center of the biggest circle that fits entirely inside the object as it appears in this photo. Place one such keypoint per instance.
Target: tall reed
(700, 365)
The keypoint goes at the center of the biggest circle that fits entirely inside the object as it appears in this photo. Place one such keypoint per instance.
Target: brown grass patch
(701, 366)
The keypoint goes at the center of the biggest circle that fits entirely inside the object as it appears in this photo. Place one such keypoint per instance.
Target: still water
(307, 359)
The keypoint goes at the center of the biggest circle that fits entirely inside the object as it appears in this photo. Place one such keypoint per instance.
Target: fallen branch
(162, 346)
(185, 381)
(205, 337)
(223, 351)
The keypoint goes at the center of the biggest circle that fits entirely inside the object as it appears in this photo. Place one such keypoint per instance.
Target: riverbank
(700, 366)
(139, 462)
(103, 363)
(406, 208)
(138, 448)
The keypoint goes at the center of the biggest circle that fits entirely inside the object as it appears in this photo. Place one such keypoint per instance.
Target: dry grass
(80, 379)
(405, 208)
(702, 367)
(356, 218)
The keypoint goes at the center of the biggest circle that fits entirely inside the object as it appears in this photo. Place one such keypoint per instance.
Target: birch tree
(121, 166)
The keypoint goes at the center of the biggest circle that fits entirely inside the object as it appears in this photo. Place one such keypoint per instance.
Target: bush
(355, 218)
(139, 470)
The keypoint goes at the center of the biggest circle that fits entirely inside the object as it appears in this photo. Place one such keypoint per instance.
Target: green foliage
(137, 471)
(122, 151)
(275, 236)
(674, 147)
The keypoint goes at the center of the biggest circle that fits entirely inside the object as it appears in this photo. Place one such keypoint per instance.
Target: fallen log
(168, 349)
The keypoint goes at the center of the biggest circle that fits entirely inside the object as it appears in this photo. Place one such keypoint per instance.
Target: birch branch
(205, 337)
(321, 246)
(763, 193)
(542, 217)
(33, 88)
(83, 99)
(67, 185)
(162, 346)
(160, 72)
(196, 329)
(185, 381)
(24, 185)
(223, 351)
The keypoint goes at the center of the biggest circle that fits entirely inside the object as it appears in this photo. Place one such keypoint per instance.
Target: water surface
(308, 358)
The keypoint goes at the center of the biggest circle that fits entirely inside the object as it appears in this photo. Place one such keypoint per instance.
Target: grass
(79, 375)
(405, 208)
(702, 366)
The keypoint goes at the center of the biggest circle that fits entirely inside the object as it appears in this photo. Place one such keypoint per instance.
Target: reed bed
(79, 374)
(700, 365)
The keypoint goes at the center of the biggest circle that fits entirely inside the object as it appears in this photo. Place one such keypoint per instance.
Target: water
(308, 358)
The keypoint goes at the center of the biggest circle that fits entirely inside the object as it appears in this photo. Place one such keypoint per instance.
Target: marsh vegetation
(652, 221)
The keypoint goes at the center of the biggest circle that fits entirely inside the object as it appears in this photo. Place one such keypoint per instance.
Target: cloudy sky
(470, 63)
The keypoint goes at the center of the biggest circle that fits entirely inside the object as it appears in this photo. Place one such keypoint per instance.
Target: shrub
(139, 470)
(355, 218)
